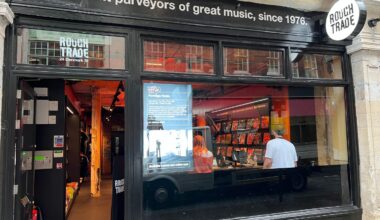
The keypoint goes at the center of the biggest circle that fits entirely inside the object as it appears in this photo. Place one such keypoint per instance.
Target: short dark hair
(279, 131)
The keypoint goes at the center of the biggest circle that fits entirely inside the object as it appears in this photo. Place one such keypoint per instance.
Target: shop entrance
(70, 149)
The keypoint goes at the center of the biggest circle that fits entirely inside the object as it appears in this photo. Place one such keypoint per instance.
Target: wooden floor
(88, 208)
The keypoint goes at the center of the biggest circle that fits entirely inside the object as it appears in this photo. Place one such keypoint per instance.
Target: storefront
(206, 84)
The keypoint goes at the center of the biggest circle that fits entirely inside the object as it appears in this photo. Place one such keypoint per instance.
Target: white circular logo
(342, 19)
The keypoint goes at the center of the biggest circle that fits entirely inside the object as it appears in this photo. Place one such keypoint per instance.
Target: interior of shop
(203, 148)
(79, 139)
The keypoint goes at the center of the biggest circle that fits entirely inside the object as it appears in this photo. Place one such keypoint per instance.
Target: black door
(25, 145)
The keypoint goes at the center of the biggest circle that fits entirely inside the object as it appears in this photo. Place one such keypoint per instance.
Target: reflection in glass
(248, 62)
(175, 57)
(316, 66)
(53, 48)
(231, 126)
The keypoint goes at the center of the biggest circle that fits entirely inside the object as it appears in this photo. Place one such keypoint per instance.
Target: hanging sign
(345, 20)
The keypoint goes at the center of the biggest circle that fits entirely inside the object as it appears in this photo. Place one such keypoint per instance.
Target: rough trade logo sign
(73, 50)
(345, 19)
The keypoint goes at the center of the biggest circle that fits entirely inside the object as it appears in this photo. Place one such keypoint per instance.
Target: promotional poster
(167, 128)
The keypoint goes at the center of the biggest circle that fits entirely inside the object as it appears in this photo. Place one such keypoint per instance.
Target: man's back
(282, 153)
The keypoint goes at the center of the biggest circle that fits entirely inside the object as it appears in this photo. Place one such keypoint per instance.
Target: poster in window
(250, 152)
(242, 138)
(259, 155)
(229, 151)
(218, 150)
(227, 127)
(257, 139)
(222, 139)
(249, 124)
(242, 124)
(168, 136)
(218, 126)
(250, 138)
(223, 151)
(266, 138)
(218, 139)
(234, 125)
(256, 123)
(235, 139)
(264, 122)
(228, 139)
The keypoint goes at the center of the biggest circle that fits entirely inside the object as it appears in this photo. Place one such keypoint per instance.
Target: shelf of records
(242, 142)
(244, 132)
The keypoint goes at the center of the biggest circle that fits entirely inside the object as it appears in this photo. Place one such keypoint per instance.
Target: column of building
(365, 59)
(6, 18)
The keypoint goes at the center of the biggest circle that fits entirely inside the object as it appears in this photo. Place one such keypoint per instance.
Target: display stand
(71, 196)
(242, 132)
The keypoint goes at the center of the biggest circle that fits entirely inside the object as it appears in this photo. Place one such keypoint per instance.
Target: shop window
(248, 62)
(274, 63)
(154, 55)
(194, 56)
(67, 49)
(295, 70)
(205, 147)
(174, 57)
(241, 60)
(316, 66)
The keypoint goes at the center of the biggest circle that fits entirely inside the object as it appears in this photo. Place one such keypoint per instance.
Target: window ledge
(318, 213)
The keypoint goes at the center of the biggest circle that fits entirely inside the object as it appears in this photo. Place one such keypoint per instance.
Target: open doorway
(74, 132)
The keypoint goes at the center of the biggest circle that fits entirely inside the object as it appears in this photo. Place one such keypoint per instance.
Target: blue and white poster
(168, 134)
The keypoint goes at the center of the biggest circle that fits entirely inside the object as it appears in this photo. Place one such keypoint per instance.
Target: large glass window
(249, 62)
(175, 57)
(53, 48)
(214, 151)
(316, 66)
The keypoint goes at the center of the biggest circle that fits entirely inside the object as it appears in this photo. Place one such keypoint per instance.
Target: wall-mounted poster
(168, 136)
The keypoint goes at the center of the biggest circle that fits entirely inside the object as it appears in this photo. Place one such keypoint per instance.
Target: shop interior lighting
(69, 109)
(236, 106)
(119, 90)
(373, 22)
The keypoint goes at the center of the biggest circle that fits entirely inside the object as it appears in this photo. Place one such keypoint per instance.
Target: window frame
(285, 79)
(124, 36)
(257, 47)
(185, 42)
(311, 51)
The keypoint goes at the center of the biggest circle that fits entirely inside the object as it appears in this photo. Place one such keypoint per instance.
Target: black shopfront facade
(230, 72)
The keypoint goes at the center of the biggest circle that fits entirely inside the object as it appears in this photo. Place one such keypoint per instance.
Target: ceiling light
(69, 109)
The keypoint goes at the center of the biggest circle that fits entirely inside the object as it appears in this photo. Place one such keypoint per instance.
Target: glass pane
(316, 66)
(215, 151)
(162, 56)
(71, 49)
(248, 62)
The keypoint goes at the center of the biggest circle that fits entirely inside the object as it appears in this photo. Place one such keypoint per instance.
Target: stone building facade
(6, 18)
(365, 61)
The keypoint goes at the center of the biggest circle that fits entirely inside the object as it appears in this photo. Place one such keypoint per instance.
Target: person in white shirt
(280, 153)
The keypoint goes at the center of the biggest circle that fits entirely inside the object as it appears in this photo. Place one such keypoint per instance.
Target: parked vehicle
(162, 188)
